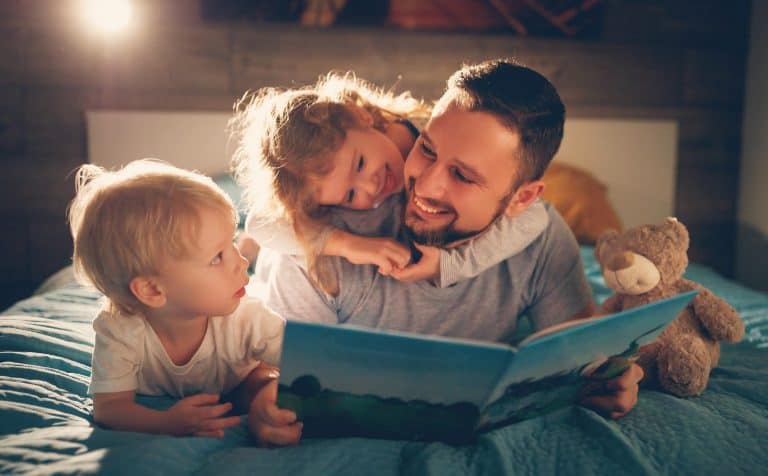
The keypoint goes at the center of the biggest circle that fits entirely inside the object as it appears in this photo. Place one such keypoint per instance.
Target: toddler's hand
(201, 415)
(614, 398)
(269, 424)
(428, 267)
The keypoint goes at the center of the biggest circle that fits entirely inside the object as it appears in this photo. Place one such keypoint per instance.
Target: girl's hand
(201, 415)
(385, 253)
(428, 267)
(247, 246)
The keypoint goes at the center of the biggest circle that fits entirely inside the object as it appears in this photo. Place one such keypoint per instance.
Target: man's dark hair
(522, 99)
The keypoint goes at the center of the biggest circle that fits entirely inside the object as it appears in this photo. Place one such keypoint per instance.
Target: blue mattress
(45, 422)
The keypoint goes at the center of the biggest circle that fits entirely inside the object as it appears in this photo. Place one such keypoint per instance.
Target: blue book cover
(344, 380)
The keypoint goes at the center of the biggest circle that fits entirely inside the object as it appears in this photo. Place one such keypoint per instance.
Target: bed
(46, 426)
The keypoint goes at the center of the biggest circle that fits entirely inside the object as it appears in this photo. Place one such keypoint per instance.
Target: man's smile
(426, 208)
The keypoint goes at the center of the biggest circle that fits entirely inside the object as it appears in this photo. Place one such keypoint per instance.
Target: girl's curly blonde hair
(285, 139)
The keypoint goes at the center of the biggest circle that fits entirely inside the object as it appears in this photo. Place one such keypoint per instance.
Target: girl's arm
(277, 235)
(385, 253)
(280, 236)
(506, 237)
(199, 415)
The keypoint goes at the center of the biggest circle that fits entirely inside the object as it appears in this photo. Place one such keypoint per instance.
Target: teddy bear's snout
(621, 261)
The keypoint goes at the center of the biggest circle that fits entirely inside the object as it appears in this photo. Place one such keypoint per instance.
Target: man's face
(458, 176)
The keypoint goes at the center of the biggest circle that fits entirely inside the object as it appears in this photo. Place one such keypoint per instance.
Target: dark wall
(674, 59)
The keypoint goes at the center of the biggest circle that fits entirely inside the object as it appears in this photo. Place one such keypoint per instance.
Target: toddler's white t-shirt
(128, 354)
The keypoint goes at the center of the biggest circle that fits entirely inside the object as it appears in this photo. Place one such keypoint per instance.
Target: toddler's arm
(198, 415)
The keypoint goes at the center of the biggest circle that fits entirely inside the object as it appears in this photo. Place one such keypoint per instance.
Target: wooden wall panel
(11, 123)
(713, 78)
(704, 195)
(654, 61)
(699, 23)
(192, 59)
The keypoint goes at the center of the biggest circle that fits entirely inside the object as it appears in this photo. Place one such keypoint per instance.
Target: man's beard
(439, 237)
(446, 234)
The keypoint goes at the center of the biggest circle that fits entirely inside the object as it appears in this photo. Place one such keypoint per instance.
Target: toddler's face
(368, 168)
(212, 279)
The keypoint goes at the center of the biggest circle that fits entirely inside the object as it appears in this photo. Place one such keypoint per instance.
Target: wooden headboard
(636, 159)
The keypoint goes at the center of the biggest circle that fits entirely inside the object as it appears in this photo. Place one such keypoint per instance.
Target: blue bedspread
(45, 424)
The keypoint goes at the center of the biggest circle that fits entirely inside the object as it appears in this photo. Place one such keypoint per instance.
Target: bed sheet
(46, 427)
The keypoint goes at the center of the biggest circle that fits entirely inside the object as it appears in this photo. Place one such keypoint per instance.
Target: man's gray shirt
(544, 281)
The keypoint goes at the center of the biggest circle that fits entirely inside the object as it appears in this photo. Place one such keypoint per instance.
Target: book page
(557, 328)
(548, 369)
(350, 381)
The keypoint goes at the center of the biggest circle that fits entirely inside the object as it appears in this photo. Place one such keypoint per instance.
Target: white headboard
(192, 140)
(636, 159)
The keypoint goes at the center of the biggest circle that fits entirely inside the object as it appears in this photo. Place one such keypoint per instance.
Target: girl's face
(367, 168)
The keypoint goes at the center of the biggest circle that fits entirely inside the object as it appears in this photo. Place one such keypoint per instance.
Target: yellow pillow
(582, 200)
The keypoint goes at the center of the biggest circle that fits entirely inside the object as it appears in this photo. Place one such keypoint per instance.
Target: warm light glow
(108, 16)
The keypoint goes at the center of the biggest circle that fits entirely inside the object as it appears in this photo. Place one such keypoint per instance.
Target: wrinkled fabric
(46, 426)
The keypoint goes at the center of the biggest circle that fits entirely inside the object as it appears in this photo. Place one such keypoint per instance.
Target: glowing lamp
(108, 16)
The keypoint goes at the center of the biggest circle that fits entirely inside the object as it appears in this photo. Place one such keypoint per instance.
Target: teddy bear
(645, 264)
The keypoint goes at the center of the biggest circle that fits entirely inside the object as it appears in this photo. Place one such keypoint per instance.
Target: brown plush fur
(680, 360)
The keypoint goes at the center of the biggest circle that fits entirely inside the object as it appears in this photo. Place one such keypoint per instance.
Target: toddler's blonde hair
(285, 139)
(126, 222)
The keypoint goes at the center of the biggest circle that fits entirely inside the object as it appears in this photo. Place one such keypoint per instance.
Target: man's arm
(616, 397)
(560, 291)
(588, 311)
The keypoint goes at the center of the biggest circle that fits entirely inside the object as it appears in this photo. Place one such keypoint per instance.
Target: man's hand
(615, 397)
(428, 267)
(269, 424)
(201, 415)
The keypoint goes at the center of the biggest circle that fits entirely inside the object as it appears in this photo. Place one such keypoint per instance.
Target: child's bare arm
(385, 253)
(269, 424)
(277, 235)
(199, 415)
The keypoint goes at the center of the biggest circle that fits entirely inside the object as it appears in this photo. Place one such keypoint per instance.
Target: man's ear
(523, 197)
(148, 291)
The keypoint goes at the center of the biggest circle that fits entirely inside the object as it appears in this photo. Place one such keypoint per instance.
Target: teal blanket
(45, 422)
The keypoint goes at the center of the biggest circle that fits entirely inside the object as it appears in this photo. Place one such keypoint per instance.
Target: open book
(351, 381)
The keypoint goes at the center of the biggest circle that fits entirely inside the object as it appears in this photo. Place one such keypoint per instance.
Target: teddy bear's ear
(604, 238)
(675, 230)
